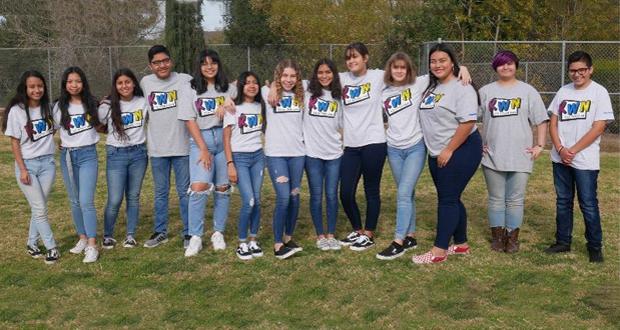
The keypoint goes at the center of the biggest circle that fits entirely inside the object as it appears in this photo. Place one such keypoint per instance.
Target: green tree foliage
(247, 25)
(183, 33)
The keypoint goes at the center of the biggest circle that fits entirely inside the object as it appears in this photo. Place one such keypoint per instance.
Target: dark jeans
(368, 161)
(450, 182)
(565, 180)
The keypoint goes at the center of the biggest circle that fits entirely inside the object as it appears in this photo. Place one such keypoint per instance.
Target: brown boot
(512, 241)
(497, 239)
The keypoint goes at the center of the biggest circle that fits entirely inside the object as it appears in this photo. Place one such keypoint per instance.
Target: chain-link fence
(542, 63)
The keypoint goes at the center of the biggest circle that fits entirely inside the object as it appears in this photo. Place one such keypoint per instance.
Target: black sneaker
(155, 240)
(108, 243)
(293, 246)
(350, 239)
(284, 252)
(255, 249)
(243, 251)
(393, 251)
(363, 242)
(34, 251)
(130, 242)
(558, 248)
(52, 256)
(410, 243)
(596, 254)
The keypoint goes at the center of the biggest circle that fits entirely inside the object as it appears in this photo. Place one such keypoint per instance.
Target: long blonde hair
(298, 90)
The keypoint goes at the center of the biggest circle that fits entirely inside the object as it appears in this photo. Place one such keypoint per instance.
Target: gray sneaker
(155, 240)
(334, 244)
(322, 244)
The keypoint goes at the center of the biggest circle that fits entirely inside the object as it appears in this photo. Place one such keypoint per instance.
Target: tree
(247, 25)
(183, 33)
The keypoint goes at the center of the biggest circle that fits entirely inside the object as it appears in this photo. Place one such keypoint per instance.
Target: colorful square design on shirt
(322, 108)
(207, 105)
(396, 103)
(132, 119)
(163, 100)
(572, 110)
(250, 123)
(78, 124)
(39, 128)
(430, 100)
(356, 93)
(502, 107)
(287, 104)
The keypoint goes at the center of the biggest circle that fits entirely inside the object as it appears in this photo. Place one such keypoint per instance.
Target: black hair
(358, 46)
(314, 86)
(156, 50)
(199, 83)
(89, 102)
(115, 100)
(258, 98)
(21, 99)
(579, 56)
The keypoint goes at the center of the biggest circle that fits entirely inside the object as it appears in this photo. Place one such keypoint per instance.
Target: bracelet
(560, 150)
(229, 162)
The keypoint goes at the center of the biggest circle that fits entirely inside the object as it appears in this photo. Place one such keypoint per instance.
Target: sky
(212, 12)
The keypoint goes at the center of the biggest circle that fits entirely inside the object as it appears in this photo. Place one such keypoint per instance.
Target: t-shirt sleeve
(467, 106)
(188, 111)
(13, 124)
(103, 112)
(229, 119)
(604, 110)
(553, 106)
(56, 116)
(483, 102)
(537, 113)
(232, 91)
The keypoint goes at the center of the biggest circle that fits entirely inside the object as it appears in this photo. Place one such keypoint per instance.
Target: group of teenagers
(217, 136)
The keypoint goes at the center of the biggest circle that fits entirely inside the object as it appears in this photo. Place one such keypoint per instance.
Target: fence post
(563, 63)
(331, 52)
(527, 67)
(249, 61)
(49, 74)
(110, 61)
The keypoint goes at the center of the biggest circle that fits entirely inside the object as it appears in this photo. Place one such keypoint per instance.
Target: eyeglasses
(580, 71)
(163, 62)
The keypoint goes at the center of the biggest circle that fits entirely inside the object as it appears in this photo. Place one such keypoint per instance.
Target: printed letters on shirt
(206, 106)
(250, 123)
(163, 100)
(572, 110)
(500, 107)
(355, 94)
(398, 102)
(322, 108)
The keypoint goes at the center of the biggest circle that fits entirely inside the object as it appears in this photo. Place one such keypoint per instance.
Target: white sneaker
(334, 244)
(218, 241)
(90, 254)
(322, 244)
(79, 246)
(195, 245)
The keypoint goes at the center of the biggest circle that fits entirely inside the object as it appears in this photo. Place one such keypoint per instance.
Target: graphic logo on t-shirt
(322, 108)
(500, 107)
(132, 119)
(250, 123)
(39, 128)
(571, 110)
(398, 102)
(429, 101)
(356, 93)
(163, 100)
(78, 124)
(287, 104)
(207, 105)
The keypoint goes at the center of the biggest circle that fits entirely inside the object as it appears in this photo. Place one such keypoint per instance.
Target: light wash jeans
(125, 169)
(287, 193)
(218, 175)
(407, 165)
(79, 168)
(161, 166)
(323, 175)
(41, 170)
(506, 197)
(249, 166)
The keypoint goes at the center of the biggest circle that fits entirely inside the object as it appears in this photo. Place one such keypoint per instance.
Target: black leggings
(368, 161)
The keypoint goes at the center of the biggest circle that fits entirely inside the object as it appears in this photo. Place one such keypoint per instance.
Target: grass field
(160, 288)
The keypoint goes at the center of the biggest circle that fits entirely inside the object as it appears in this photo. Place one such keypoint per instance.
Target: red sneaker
(428, 258)
(455, 249)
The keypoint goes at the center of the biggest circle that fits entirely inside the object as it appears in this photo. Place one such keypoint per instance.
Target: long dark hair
(199, 83)
(115, 101)
(89, 102)
(432, 80)
(258, 98)
(314, 86)
(21, 99)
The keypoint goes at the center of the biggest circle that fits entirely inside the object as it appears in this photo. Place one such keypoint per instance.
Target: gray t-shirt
(322, 123)
(246, 127)
(362, 118)
(284, 134)
(133, 118)
(204, 107)
(166, 135)
(507, 115)
(42, 142)
(80, 132)
(401, 105)
(442, 110)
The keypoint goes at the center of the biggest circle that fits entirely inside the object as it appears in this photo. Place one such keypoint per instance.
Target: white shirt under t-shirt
(246, 127)
(284, 133)
(321, 126)
(401, 105)
(80, 132)
(42, 141)
(577, 110)
(133, 117)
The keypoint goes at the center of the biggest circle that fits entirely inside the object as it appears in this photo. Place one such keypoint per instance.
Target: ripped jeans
(250, 166)
(218, 175)
(286, 174)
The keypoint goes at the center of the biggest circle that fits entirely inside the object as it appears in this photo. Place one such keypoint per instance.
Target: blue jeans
(160, 166)
(565, 180)
(407, 165)
(250, 166)
(286, 174)
(506, 197)
(323, 174)
(125, 169)
(79, 168)
(450, 182)
(218, 175)
(41, 170)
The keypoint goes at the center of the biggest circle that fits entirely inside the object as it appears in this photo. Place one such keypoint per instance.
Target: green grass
(160, 288)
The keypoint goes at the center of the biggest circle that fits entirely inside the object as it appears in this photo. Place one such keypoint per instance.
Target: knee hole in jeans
(295, 192)
(201, 188)
(282, 179)
(223, 190)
